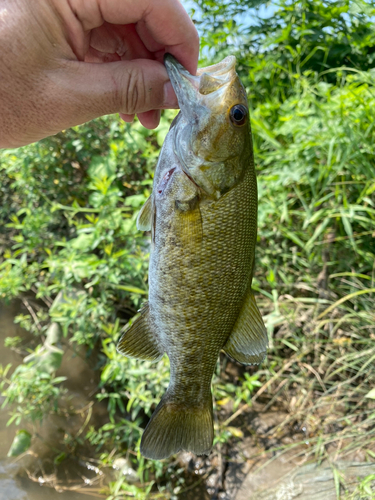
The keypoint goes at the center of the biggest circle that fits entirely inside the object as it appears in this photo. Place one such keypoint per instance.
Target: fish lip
(223, 70)
(185, 86)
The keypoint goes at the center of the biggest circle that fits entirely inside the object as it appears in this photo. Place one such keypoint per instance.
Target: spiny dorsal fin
(248, 341)
(138, 341)
(144, 219)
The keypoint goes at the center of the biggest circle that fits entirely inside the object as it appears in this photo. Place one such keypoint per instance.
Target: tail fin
(174, 427)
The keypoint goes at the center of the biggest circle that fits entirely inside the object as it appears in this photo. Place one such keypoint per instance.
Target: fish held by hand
(202, 215)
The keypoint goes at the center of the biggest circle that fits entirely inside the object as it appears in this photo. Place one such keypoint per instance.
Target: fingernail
(170, 99)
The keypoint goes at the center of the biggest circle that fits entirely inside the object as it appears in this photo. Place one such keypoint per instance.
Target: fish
(202, 215)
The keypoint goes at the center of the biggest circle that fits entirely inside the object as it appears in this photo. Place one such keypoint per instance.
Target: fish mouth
(206, 81)
(216, 77)
(203, 103)
(190, 90)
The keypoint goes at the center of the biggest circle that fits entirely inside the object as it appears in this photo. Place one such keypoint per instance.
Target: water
(26, 479)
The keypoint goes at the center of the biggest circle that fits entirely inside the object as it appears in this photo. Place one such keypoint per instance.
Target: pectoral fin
(189, 227)
(138, 341)
(144, 219)
(248, 341)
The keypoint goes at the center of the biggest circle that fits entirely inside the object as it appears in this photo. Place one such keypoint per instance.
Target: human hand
(65, 62)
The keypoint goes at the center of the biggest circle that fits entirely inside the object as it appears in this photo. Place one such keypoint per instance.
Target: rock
(310, 482)
(125, 469)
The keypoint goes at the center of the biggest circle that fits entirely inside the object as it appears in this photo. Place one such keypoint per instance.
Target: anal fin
(138, 341)
(248, 341)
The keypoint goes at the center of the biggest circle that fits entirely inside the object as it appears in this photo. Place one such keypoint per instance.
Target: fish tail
(175, 426)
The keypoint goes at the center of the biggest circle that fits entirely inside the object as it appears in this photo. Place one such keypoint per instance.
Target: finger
(150, 119)
(168, 25)
(185, 50)
(95, 56)
(123, 42)
(127, 118)
(170, 98)
(78, 92)
(164, 22)
(85, 91)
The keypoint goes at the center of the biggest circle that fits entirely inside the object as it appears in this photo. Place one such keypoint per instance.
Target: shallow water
(15, 483)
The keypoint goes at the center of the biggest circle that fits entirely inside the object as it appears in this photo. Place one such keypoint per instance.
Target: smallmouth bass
(202, 214)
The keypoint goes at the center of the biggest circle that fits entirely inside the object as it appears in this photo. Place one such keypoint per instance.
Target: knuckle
(132, 95)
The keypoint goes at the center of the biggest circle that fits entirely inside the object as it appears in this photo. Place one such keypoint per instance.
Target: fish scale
(203, 218)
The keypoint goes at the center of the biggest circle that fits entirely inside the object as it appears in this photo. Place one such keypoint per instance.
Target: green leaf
(21, 443)
(101, 167)
(371, 394)
(82, 242)
(135, 201)
(132, 289)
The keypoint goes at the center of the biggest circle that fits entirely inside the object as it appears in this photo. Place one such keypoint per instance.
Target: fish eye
(238, 115)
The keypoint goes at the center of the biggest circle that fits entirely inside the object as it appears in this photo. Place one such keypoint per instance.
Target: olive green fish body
(198, 284)
(202, 214)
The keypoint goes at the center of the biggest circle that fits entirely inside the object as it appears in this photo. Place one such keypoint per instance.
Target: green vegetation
(364, 490)
(68, 210)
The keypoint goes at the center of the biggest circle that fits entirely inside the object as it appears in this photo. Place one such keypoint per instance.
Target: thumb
(75, 92)
(89, 90)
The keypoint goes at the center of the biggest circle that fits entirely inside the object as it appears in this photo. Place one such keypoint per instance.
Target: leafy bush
(293, 37)
(69, 242)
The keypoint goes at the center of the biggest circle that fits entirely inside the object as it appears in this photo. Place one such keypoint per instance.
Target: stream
(34, 476)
